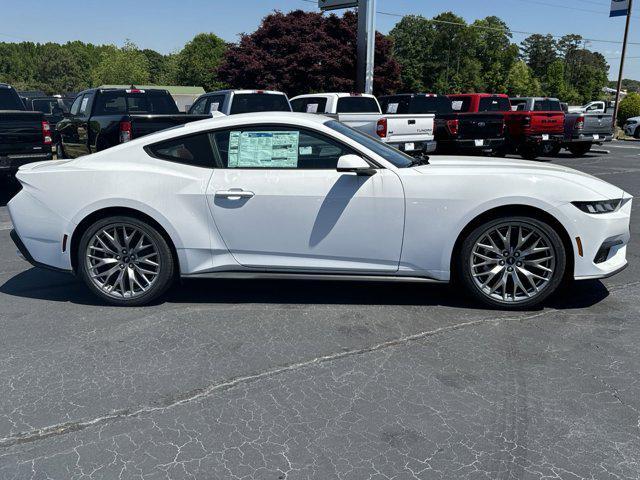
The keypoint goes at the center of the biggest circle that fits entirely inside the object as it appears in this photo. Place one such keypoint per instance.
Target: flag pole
(624, 52)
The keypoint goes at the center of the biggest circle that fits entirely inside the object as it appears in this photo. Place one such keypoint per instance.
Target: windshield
(390, 154)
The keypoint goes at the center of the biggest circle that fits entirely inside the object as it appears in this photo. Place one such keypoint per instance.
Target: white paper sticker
(83, 106)
(306, 150)
(312, 108)
(214, 107)
(392, 108)
(545, 136)
(479, 143)
(263, 149)
(456, 105)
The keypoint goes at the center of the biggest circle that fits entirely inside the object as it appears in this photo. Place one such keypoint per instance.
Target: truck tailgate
(480, 125)
(597, 124)
(547, 122)
(20, 132)
(410, 128)
(145, 124)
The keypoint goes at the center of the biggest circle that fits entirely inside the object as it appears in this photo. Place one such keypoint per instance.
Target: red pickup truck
(531, 122)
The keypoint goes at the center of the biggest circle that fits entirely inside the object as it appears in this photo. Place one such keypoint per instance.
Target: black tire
(499, 152)
(464, 273)
(579, 149)
(60, 155)
(636, 134)
(164, 258)
(551, 149)
(529, 152)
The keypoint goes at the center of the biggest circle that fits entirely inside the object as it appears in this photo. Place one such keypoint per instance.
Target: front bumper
(10, 163)
(590, 232)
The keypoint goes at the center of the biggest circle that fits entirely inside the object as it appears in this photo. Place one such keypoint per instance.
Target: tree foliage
(126, 65)
(198, 62)
(629, 107)
(521, 81)
(301, 52)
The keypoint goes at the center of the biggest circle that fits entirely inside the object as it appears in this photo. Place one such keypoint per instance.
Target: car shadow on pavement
(8, 188)
(58, 287)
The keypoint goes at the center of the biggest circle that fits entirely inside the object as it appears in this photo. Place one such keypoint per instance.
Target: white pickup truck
(411, 133)
(597, 106)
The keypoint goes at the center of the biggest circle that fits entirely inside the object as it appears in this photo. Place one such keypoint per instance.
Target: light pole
(624, 52)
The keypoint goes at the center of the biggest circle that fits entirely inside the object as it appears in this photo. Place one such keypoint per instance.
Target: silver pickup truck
(411, 133)
(582, 130)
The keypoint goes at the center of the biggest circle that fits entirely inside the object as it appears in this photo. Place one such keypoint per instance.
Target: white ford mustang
(298, 195)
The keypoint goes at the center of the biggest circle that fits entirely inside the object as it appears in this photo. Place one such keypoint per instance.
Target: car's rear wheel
(125, 261)
(60, 151)
(580, 149)
(512, 262)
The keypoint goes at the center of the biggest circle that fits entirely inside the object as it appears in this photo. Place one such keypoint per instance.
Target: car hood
(506, 166)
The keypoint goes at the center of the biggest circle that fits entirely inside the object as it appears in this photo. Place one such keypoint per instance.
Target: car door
(278, 202)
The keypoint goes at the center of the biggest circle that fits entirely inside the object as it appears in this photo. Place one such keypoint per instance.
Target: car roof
(334, 94)
(255, 90)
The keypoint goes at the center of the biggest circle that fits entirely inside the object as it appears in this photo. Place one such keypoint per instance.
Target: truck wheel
(529, 152)
(499, 152)
(125, 261)
(579, 149)
(60, 151)
(551, 149)
(512, 262)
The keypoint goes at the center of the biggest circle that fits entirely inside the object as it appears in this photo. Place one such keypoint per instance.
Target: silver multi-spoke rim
(122, 261)
(512, 262)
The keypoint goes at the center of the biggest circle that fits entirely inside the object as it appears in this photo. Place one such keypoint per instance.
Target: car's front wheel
(512, 262)
(125, 261)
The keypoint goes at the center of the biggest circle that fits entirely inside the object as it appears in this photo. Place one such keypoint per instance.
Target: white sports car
(299, 195)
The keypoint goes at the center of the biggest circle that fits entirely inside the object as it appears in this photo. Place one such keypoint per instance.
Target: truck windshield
(120, 102)
(9, 100)
(357, 104)
(396, 157)
(494, 104)
(259, 102)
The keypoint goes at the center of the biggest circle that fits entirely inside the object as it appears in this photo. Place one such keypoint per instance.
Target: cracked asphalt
(321, 380)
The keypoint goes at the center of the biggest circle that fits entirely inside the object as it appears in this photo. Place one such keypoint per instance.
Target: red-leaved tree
(301, 52)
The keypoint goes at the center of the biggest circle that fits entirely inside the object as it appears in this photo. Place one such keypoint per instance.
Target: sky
(166, 25)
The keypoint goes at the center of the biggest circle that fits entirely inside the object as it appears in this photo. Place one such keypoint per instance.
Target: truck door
(82, 124)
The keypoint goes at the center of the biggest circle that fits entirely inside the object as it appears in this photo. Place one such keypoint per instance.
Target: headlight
(601, 206)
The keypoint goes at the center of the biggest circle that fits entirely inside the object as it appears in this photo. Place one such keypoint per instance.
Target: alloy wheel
(512, 262)
(122, 261)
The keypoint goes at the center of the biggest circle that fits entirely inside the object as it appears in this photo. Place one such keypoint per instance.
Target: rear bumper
(590, 138)
(418, 147)
(538, 139)
(474, 144)
(24, 253)
(10, 163)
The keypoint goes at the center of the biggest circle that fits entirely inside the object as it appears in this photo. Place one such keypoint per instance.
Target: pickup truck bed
(24, 136)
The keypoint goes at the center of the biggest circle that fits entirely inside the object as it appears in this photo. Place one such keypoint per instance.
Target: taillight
(452, 126)
(46, 133)
(579, 123)
(125, 131)
(381, 128)
(502, 127)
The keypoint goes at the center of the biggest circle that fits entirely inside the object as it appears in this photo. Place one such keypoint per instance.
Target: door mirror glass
(354, 163)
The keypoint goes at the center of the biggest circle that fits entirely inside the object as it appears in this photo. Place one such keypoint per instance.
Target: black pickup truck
(101, 118)
(455, 130)
(25, 136)
(54, 109)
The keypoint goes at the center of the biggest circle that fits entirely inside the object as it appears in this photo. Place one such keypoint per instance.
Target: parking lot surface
(323, 380)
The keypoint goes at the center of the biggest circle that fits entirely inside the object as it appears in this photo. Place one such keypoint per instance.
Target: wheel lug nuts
(519, 264)
(517, 254)
(121, 265)
(505, 254)
(131, 265)
(510, 269)
(117, 257)
(501, 262)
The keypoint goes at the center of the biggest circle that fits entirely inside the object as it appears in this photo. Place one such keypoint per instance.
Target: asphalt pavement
(325, 380)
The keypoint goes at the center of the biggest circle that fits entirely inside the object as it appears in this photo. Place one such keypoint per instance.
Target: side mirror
(355, 164)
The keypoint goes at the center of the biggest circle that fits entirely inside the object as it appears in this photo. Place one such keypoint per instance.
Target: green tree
(629, 107)
(587, 73)
(199, 60)
(126, 65)
(412, 39)
(521, 81)
(496, 52)
(539, 51)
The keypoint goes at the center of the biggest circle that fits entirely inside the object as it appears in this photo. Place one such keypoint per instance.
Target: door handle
(234, 194)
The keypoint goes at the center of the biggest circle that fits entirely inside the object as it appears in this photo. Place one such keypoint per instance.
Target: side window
(277, 147)
(75, 107)
(215, 104)
(198, 107)
(85, 106)
(194, 150)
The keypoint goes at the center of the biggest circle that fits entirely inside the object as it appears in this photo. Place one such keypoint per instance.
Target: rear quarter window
(309, 105)
(460, 104)
(194, 150)
(259, 102)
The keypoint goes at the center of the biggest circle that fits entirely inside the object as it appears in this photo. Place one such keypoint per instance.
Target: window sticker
(456, 105)
(306, 150)
(263, 149)
(392, 108)
(214, 107)
(312, 108)
(83, 107)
